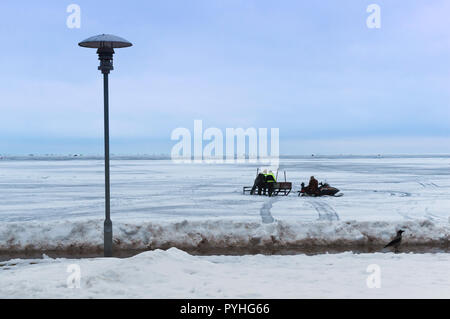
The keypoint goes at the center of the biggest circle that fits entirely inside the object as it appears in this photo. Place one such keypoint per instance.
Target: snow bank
(176, 274)
(87, 235)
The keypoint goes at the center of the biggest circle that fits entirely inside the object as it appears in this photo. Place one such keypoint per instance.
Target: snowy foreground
(176, 274)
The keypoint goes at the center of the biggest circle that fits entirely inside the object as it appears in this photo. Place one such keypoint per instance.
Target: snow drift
(213, 235)
(176, 274)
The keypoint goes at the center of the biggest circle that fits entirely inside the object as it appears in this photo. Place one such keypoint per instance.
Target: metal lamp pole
(105, 45)
(105, 57)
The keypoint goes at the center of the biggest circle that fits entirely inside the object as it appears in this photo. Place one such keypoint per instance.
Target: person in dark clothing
(313, 186)
(260, 183)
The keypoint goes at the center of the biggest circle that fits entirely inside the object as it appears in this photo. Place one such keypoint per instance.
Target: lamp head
(105, 44)
(105, 41)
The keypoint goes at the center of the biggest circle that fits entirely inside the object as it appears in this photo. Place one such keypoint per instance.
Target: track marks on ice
(380, 191)
(325, 211)
(428, 185)
(266, 216)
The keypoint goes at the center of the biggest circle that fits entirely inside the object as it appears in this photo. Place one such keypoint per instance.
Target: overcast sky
(313, 69)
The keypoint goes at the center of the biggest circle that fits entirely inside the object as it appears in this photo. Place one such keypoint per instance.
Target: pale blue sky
(311, 68)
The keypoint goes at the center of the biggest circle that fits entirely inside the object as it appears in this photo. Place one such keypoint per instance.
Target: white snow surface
(176, 274)
(88, 235)
(59, 204)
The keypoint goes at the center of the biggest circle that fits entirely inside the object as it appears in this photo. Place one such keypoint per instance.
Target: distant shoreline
(167, 157)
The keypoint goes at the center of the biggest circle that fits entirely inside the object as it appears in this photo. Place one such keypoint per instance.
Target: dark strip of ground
(205, 250)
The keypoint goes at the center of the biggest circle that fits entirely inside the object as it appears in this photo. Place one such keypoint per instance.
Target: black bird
(396, 241)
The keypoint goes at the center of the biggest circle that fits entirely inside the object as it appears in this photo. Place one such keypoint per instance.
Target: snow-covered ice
(58, 204)
(176, 274)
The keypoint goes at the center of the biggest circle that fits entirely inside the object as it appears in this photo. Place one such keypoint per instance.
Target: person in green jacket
(270, 182)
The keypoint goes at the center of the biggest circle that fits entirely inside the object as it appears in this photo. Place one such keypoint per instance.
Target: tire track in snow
(428, 185)
(325, 211)
(391, 193)
(266, 216)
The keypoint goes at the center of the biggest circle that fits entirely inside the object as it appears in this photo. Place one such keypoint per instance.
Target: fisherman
(260, 183)
(270, 182)
(313, 186)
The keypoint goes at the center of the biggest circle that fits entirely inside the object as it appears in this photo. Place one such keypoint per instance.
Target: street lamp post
(105, 44)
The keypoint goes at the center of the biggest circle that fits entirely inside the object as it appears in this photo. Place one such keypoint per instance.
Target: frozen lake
(400, 188)
(59, 205)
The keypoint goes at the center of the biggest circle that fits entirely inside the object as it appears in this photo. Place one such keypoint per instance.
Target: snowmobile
(324, 190)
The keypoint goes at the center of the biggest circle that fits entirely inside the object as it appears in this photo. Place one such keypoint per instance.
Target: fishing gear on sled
(266, 183)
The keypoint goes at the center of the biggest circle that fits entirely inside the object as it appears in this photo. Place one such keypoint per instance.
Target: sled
(283, 189)
(279, 188)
